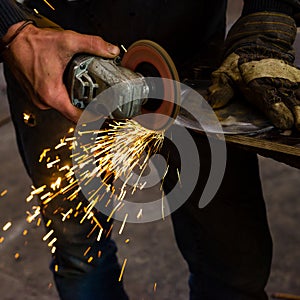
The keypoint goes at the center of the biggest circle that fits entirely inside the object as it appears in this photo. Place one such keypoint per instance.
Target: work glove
(259, 64)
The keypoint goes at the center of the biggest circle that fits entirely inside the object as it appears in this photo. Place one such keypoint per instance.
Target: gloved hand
(259, 63)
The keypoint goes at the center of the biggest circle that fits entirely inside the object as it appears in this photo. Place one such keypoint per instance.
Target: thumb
(93, 45)
(221, 91)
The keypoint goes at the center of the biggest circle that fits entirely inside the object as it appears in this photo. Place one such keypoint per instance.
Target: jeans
(227, 244)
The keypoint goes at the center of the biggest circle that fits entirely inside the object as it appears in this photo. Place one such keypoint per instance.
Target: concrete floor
(152, 253)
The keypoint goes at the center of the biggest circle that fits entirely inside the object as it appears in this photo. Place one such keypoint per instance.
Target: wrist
(13, 32)
(10, 32)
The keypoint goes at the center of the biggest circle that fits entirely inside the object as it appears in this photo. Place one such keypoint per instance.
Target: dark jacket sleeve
(10, 13)
(289, 7)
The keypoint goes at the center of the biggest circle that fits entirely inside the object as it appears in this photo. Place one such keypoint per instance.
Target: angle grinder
(144, 60)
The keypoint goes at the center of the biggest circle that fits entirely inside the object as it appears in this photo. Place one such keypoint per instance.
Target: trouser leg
(77, 276)
(227, 244)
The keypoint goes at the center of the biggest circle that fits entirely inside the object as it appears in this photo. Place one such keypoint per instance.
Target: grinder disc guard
(151, 60)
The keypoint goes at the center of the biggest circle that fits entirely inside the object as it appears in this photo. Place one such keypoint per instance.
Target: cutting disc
(151, 60)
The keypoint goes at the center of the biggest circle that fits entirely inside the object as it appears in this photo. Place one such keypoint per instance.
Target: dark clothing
(10, 14)
(227, 244)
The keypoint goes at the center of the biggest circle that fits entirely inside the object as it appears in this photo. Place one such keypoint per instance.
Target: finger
(291, 100)
(92, 45)
(296, 112)
(280, 115)
(270, 101)
(59, 99)
(221, 91)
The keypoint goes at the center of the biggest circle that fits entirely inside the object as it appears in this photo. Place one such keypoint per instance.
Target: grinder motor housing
(88, 76)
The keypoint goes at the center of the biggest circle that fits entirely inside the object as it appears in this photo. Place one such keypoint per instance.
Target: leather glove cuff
(270, 31)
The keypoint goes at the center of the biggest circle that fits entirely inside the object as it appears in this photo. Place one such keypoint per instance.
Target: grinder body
(88, 76)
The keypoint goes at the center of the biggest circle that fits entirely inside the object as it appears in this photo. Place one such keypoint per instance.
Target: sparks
(48, 235)
(99, 234)
(3, 193)
(123, 224)
(55, 185)
(49, 4)
(7, 226)
(122, 270)
(61, 143)
(125, 50)
(44, 154)
(140, 213)
(50, 244)
(51, 164)
(38, 190)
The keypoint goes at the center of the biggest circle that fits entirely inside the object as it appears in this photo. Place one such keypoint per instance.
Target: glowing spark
(44, 154)
(125, 50)
(30, 216)
(78, 206)
(66, 167)
(61, 144)
(29, 198)
(163, 178)
(38, 222)
(140, 213)
(1, 239)
(25, 232)
(127, 241)
(123, 224)
(155, 287)
(51, 164)
(50, 244)
(113, 211)
(17, 256)
(3, 193)
(45, 195)
(46, 236)
(163, 206)
(143, 185)
(26, 117)
(90, 259)
(55, 185)
(48, 223)
(38, 190)
(7, 226)
(56, 268)
(87, 251)
(67, 214)
(49, 4)
(109, 231)
(71, 130)
(178, 175)
(53, 249)
(122, 270)
(36, 11)
(99, 234)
